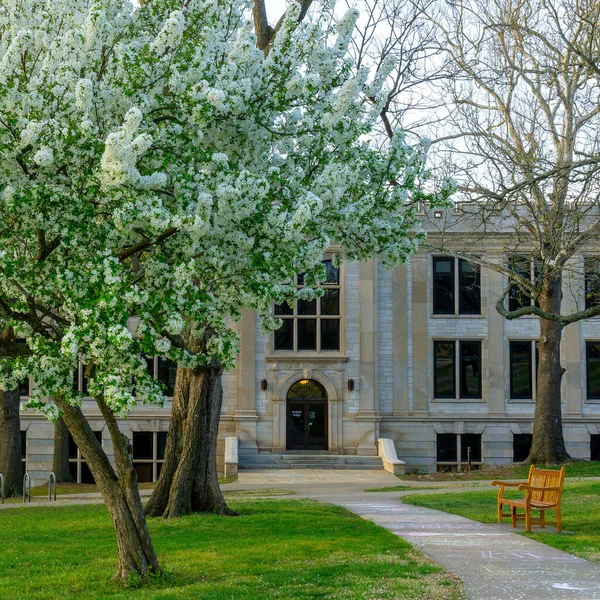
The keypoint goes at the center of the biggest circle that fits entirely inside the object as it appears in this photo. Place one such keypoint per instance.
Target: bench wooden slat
(543, 491)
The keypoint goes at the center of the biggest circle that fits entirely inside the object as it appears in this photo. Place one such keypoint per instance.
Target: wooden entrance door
(307, 416)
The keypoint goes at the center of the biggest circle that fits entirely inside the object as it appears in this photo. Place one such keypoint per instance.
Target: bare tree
(520, 133)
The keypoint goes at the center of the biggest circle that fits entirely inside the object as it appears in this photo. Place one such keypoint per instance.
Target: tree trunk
(548, 445)
(60, 462)
(188, 480)
(10, 441)
(121, 495)
(207, 495)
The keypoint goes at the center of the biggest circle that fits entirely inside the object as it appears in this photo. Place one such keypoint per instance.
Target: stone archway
(306, 416)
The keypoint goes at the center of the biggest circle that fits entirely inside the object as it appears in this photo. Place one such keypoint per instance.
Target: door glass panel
(316, 425)
(296, 425)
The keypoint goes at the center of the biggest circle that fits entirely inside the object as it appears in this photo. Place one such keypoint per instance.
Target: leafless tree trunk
(60, 461)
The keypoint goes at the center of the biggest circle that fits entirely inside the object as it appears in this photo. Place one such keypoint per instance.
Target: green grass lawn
(580, 508)
(275, 549)
(580, 468)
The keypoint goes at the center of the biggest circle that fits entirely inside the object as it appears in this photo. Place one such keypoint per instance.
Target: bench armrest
(507, 483)
(533, 488)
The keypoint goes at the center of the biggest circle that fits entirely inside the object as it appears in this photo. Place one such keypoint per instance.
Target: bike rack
(51, 480)
(2, 487)
(27, 486)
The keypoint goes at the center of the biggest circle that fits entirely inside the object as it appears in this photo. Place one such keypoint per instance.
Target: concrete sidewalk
(493, 562)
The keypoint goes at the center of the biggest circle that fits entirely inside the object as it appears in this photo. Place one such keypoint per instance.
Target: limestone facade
(381, 381)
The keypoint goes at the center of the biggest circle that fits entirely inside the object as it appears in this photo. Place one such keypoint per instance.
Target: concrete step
(308, 461)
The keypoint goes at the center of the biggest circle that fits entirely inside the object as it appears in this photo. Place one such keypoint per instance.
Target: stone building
(418, 355)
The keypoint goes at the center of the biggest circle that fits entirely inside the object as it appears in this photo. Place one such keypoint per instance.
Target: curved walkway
(493, 562)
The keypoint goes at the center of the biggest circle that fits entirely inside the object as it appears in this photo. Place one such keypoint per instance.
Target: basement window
(148, 454)
(455, 450)
(594, 446)
(78, 468)
(521, 446)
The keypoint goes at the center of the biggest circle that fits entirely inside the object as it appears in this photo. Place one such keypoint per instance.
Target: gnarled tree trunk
(10, 441)
(188, 480)
(548, 445)
(60, 461)
(121, 495)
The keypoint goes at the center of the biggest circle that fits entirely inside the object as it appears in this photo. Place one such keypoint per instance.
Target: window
(312, 325)
(521, 446)
(456, 286)
(593, 370)
(80, 472)
(23, 453)
(447, 450)
(80, 382)
(528, 268)
(148, 454)
(445, 367)
(165, 371)
(24, 384)
(522, 367)
(594, 446)
(457, 450)
(592, 281)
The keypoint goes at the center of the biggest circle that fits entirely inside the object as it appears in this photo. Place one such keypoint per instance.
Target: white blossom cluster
(153, 162)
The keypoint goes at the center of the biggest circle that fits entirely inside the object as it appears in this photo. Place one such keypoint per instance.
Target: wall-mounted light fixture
(263, 384)
(438, 214)
(351, 384)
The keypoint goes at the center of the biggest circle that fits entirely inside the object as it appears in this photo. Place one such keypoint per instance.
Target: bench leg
(528, 519)
(514, 516)
(542, 523)
(558, 521)
(499, 512)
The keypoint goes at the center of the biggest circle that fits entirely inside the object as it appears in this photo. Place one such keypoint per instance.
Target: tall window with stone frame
(528, 268)
(312, 325)
(592, 281)
(523, 369)
(592, 369)
(456, 286)
(457, 362)
(165, 371)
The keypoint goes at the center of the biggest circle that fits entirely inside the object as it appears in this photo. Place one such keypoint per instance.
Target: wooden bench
(543, 491)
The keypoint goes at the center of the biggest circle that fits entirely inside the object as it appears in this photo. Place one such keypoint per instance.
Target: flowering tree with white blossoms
(154, 162)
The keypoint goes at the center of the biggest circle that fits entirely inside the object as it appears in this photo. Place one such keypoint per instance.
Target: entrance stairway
(308, 460)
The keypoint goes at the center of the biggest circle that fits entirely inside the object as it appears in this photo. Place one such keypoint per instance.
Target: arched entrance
(306, 416)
